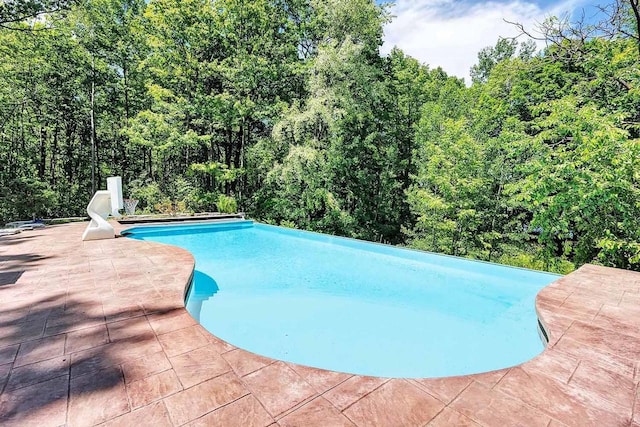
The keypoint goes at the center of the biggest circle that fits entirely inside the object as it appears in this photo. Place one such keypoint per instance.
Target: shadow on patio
(59, 352)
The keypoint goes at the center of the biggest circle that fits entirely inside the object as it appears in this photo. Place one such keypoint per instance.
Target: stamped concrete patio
(96, 332)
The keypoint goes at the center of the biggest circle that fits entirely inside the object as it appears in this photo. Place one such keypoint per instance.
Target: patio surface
(95, 332)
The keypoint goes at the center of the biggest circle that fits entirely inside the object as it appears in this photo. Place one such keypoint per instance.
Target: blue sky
(449, 33)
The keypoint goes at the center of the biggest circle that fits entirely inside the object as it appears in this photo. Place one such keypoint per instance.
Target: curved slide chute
(98, 209)
(103, 203)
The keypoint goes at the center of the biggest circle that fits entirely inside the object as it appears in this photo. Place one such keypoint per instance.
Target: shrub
(227, 204)
(148, 195)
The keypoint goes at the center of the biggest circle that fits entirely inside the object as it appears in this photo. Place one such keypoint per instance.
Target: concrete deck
(96, 332)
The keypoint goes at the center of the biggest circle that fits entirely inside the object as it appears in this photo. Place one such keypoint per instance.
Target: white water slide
(102, 204)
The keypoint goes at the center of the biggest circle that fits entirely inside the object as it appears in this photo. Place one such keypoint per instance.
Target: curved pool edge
(324, 372)
(548, 300)
(345, 391)
(545, 328)
(513, 348)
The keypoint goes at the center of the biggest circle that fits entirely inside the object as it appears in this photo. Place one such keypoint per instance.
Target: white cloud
(450, 33)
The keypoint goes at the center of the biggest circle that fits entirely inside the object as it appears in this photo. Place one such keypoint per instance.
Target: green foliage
(619, 253)
(541, 170)
(490, 56)
(147, 194)
(584, 185)
(447, 205)
(202, 201)
(26, 198)
(14, 12)
(227, 204)
(169, 207)
(535, 262)
(297, 191)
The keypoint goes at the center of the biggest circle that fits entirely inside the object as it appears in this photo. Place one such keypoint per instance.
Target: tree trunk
(93, 127)
(150, 163)
(126, 92)
(228, 158)
(237, 160)
(54, 149)
(42, 164)
(635, 6)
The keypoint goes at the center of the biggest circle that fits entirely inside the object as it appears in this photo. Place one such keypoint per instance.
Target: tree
(585, 188)
(504, 49)
(616, 19)
(337, 129)
(14, 12)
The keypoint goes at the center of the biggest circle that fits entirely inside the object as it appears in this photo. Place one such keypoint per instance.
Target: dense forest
(286, 110)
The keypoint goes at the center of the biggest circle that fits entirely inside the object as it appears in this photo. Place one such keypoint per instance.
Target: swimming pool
(354, 306)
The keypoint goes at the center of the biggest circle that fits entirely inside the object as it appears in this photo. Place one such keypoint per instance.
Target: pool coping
(178, 219)
(94, 332)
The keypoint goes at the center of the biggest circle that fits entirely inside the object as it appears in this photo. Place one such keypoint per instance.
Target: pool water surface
(354, 306)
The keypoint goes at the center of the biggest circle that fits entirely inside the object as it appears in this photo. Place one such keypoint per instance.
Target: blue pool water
(354, 306)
